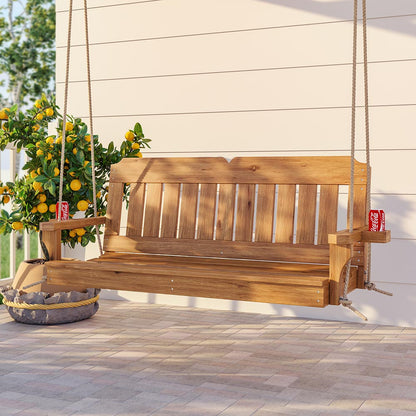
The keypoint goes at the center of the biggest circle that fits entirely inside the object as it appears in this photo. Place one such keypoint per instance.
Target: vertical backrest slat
(360, 204)
(152, 210)
(328, 212)
(170, 210)
(245, 212)
(189, 205)
(114, 205)
(285, 216)
(265, 213)
(206, 213)
(305, 230)
(136, 207)
(225, 215)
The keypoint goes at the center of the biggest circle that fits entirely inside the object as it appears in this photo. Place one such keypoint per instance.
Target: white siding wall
(261, 77)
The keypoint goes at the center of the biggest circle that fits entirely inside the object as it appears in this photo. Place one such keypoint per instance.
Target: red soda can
(382, 221)
(376, 220)
(64, 210)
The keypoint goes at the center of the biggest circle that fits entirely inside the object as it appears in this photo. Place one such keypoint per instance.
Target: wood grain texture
(285, 217)
(265, 213)
(339, 255)
(52, 241)
(53, 225)
(213, 282)
(152, 210)
(170, 210)
(136, 209)
(206, 213)
(114, 206)
(244, 220)
(328, 212)
(250, 170)
(215, 248)
(305, 230)
(225, 214)
(189, 206)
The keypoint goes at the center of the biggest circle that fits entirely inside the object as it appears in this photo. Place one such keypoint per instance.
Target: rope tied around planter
(41, 306)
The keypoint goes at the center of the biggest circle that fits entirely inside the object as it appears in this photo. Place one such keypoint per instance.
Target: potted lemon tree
(32, 197)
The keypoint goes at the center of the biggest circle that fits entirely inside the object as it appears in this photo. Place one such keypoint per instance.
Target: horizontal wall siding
(259, 77)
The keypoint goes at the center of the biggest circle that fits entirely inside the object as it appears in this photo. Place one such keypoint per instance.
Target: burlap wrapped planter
(32, 301)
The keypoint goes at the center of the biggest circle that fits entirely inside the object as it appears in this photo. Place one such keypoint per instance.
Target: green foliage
(34, 196)
(27, 49)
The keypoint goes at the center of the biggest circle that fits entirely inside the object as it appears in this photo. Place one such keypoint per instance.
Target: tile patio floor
(136, 359)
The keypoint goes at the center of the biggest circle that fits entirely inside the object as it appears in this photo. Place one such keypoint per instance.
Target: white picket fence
(7, 174)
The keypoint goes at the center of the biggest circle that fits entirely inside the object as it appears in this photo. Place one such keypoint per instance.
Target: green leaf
(138, 130)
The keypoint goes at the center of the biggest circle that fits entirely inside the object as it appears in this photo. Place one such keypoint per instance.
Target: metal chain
(94, 189)
(68, 56)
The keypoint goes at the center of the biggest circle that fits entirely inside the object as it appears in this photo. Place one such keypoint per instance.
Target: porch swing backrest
(262, 208)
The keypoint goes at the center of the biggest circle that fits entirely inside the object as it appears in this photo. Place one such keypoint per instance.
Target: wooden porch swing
(248, 229)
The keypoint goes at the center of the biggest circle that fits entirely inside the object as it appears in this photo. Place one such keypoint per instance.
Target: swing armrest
(55, 225)
(361, 234)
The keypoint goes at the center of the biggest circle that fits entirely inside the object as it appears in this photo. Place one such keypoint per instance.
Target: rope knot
(370, 286)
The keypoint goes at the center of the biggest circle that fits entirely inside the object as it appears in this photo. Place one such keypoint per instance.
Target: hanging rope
(94, 187)
(61, 178)
(344, 299)
(367, 266)
(68, 56)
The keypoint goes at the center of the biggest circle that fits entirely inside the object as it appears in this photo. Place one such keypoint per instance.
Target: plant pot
(31, 300)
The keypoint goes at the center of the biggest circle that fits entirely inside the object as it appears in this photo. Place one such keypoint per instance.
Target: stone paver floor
(134, 359)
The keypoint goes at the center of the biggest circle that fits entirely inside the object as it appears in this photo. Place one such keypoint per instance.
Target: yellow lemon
(37, 186)
(33, 174)
(72, 233)
(17, 225)
(36, 127)
(49, 156)
(80, 231)
(42, 208)
(88, 138)
(139, 155)
(82, 205)
(3, 115)
(1, 189)
(129, 136)
(59, 140)
(74, 151)
(98, 194)
(79, 239)
(86, 163)
(49, 140)
(72, 174)
(89, 148)
(75, 185)
(39, 152)
(39, 117)
(42, 197)
(38, 104)
(6, 199)
(49, 112)
(66, 161)
(37, 144)
(52, 208)
(34, 210)
(69, 126)
(56, 172)
(39, 171)
(135, 146)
